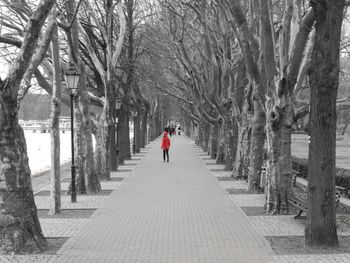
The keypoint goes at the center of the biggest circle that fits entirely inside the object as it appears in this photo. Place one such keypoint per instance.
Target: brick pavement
(170, 212)
(167, 212)
(277, 225)
(59, 227)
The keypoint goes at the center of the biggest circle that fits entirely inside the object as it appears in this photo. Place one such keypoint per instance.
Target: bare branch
(11, 41)
(172, 94)
(23, 60)
(120, 41)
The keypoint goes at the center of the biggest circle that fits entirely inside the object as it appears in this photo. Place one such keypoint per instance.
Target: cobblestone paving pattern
(130, 163)
(233, 184)
(221, 173)
(68, 227)
(334, 258)
(328, 258)
(111, 185)
(107, 185)
(198, 246)
(278, 225)
(248, 200)
(121, 173)
(215, 166)
(28, 258)
(177, 216)
(83, 201)
(281, 225)
(125, 168)
(209, 161)
(62, 227)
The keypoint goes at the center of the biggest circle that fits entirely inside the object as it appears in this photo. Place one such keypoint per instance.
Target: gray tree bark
(144, 122)
(55, 193)
(18, 215)
(124, 136)
(138, 131)
(324, 80)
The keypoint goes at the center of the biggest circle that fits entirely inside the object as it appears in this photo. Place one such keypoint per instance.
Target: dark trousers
(166, 152)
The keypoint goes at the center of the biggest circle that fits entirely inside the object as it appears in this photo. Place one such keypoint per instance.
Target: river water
(39, 150)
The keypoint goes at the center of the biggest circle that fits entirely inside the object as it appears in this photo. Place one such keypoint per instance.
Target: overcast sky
(3, 70)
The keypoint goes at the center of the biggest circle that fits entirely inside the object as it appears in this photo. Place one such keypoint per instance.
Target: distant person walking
(179, 130)
(165, 145)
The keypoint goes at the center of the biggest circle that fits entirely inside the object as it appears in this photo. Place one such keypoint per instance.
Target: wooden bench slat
(302, 205)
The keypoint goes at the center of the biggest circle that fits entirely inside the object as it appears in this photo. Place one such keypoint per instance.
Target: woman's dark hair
(166, 129)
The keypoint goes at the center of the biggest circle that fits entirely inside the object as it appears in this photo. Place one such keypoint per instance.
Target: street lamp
(118, 105)
(116, 133)
(134, 114)
(72, 79)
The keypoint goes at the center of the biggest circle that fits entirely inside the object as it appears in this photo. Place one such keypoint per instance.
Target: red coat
(165, 145)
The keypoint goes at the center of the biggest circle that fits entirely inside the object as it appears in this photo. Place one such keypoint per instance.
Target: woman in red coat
(165, 145)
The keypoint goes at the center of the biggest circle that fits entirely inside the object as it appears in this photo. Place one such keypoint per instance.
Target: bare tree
(18, 216)
(324, 77)
(55, 195)
(105, 69)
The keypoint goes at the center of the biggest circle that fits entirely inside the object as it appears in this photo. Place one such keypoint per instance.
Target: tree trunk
(346, 125)
(18, 214)
(257, 146)
(242, 161)
(155, 123)
(324, 79)
(200, 138)
(292, 42)
(98, 148)
(241, 122)
(206, 134)
(137, 130)
(153, 127)
(104, 147)
(87, 180)
(79, 147)
(214, 132)
(279, 166)
(106, 124)
(188, 129)
(196, 134)
(220, 155)
(18, 217)
(143, 137)
(124, 136)
(201, 134)
(230, 141)
(88, 172)
(159, 124)
(93, 181)
(113, 162)
(55, 193)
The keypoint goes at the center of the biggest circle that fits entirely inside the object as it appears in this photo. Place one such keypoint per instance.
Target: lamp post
(72, 79)
(134, 114)
(118, 105)
(309, 137)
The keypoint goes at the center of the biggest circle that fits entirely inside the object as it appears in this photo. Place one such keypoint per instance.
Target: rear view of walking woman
(165, 144)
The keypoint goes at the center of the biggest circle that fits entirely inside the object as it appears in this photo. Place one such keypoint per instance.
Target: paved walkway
(188, 210)
(168, 212)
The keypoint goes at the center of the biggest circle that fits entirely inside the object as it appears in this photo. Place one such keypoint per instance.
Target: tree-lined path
(168, 212)
(238, 77)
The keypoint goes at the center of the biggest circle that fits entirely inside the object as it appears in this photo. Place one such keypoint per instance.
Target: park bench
(301, 203)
